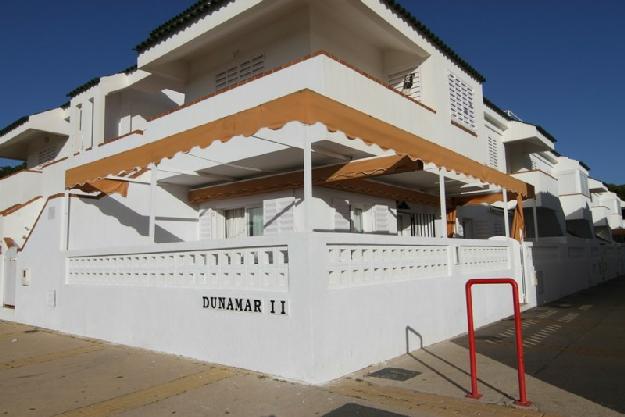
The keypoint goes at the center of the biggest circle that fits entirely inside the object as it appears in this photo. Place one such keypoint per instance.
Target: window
(407, 81)
(416, 224)
(461, 100)
(234, 222)
(239, 72)
(493, 152)
(357, 220)
(255, 221)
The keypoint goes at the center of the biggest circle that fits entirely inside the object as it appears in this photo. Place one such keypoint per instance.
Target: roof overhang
(528, 135)
(51, 123)
(596, 186)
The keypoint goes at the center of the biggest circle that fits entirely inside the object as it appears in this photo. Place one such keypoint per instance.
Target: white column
(65, 222)
(152, 208)
(535, 215)
(506, 224)
(443, 202)
(307, 182)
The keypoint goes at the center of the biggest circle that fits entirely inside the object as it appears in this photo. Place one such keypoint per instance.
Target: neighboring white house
(295, 187)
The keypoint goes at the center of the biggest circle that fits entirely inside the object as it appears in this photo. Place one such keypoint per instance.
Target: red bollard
(522, 401)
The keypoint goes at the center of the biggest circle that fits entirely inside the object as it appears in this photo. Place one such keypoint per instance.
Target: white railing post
(535, 215)
(506, 224)
(307, 181)
(443, 202)
(152, 208)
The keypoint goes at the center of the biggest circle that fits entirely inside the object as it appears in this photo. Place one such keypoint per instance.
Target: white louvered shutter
(211, 224)
(285, 209)
(342, 215)
(270, 220)
(204, 224)
(381, 218)
(278, 215)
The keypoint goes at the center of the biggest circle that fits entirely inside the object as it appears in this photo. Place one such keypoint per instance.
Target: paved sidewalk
(574, 352)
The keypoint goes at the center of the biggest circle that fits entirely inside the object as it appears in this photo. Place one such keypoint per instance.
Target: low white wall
(331, 327)
(556, 267)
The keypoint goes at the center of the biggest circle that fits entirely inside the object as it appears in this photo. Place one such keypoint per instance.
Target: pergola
(403, 154)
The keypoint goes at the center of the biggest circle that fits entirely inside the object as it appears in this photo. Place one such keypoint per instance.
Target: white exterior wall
(331, 319)
(115, 220)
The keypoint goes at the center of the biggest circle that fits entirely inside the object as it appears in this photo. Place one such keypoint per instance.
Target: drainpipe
(307, 181)
(506, 224)
(152, 214)
(443, 202)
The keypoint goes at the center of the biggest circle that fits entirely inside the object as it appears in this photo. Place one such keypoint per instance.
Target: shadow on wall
(427, 358)
(130, 218)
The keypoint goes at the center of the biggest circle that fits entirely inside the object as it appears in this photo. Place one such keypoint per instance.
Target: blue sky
(557, 63)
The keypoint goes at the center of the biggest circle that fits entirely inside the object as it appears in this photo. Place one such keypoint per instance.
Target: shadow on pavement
(576, 343)
(356, 410)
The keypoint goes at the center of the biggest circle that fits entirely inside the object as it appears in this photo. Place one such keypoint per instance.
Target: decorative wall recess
(483, 258)
(354, 265)
(258, 268)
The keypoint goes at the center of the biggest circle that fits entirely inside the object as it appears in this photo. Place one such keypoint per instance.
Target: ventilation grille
(240, 72)
(461, 99)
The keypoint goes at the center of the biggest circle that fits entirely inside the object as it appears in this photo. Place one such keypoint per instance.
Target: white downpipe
(506, 224)
(66, 219)
(307, 182)
(535, 215)
(443, 203)
(152, 225)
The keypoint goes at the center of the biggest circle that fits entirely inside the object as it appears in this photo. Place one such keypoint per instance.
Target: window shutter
(342, 215)
(380, 215)
(285, 211)
(278, 215)
(270, 211)
(211, 224)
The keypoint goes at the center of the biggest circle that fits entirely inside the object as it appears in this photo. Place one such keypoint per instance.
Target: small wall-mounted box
(26, 277)
(51, 298)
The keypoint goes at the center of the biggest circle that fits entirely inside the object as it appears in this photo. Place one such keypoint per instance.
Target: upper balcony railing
(319, 72)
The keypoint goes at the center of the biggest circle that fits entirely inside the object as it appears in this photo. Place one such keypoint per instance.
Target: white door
(10, 278)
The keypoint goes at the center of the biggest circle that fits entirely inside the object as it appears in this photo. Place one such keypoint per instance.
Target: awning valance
(307, 107)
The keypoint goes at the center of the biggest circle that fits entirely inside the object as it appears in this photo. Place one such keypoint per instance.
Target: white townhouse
(290, 186)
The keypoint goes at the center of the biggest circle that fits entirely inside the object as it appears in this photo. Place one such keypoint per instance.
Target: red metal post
(518, 333)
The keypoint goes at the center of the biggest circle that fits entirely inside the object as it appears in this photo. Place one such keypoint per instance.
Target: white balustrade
(355, 264)
(483, 258)
(241, 268)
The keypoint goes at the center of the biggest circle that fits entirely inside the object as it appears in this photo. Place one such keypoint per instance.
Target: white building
(296, 187)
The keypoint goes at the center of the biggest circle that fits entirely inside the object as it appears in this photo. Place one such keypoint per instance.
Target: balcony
(545, 187)
(320, 73)
(18, 139)
(533, 138)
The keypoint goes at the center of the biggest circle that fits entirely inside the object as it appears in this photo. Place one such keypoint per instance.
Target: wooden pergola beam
(323, 176)
(378, 189)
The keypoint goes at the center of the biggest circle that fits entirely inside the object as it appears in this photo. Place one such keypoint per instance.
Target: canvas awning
(307, 107)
